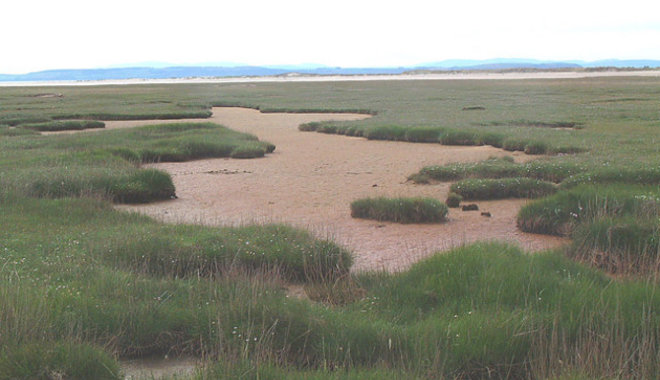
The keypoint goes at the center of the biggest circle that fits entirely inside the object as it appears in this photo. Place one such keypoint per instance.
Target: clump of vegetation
(614, 227)
(559, 214)
(453, 200)
(309, 127)
(136, 115)
(57, 361)
(13, 131)
(386, 132)
(491, 138)
(187, 251)
(537, 124)
(400, 210)
(64, 125)
(618, 245)
(613, 175)
(14, 120)
(504, 167)
(458, 137)
(248, 151)
(420, 178)
(423, 134)
(514, 144)
(471, 189)
(86, 165)
(536, 147)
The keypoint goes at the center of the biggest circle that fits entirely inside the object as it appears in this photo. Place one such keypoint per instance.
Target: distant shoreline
(293, 78)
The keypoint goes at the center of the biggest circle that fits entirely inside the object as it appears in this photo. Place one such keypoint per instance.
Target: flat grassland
(84, 285)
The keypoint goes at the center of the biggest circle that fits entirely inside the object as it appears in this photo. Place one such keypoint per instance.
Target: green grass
(107, 165)
(441, 135)
(618, 245)
(58, 361)
(72, 272)
(560, 213)
(473, 189)
(614, 227)
(11, 132)
(536, 124)
(400, 210)
(552, 170)
(64, 125)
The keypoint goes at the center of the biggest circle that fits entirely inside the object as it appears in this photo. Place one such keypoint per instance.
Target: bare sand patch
(311, 179)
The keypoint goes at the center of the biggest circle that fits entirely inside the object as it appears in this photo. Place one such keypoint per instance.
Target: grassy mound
(445, 136)
(504, 167)
(640, 176)
(423, 134)
(618, 245)
(57, 361)
(193, 251)
(559, 214)
(472, 189)
(614, 227)
(108, 166)
(64, 125)
(400, 210)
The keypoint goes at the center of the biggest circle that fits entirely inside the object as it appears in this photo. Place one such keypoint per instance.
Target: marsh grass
(442, 135)
(108, 165)
(536, 124)
(13, 131)
(474, 189)
(480, 310)
(611, 175)
(560, 213)
(58, 361)
(504, 167)
(618, 245)
(400, 210)
(64, 125)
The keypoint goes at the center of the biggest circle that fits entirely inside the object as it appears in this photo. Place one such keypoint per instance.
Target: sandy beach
(337, 78)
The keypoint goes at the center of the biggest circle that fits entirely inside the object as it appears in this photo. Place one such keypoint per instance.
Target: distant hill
(161, 70)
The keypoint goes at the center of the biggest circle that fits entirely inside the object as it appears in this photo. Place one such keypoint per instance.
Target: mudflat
(311, 179)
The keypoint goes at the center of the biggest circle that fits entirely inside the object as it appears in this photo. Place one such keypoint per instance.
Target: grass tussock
(614, 227)
(618, 245)
(474, 189)
(612, 175)
(441, 135)
(400, 210)
(453, 200)
(504, 167)
(64, 125)
(537, 124)
(57, 361)
(560, 213)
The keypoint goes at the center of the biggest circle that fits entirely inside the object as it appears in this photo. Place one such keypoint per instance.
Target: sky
(40, 35)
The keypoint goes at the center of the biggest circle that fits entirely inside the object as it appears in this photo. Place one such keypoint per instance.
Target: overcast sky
(39, 35)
